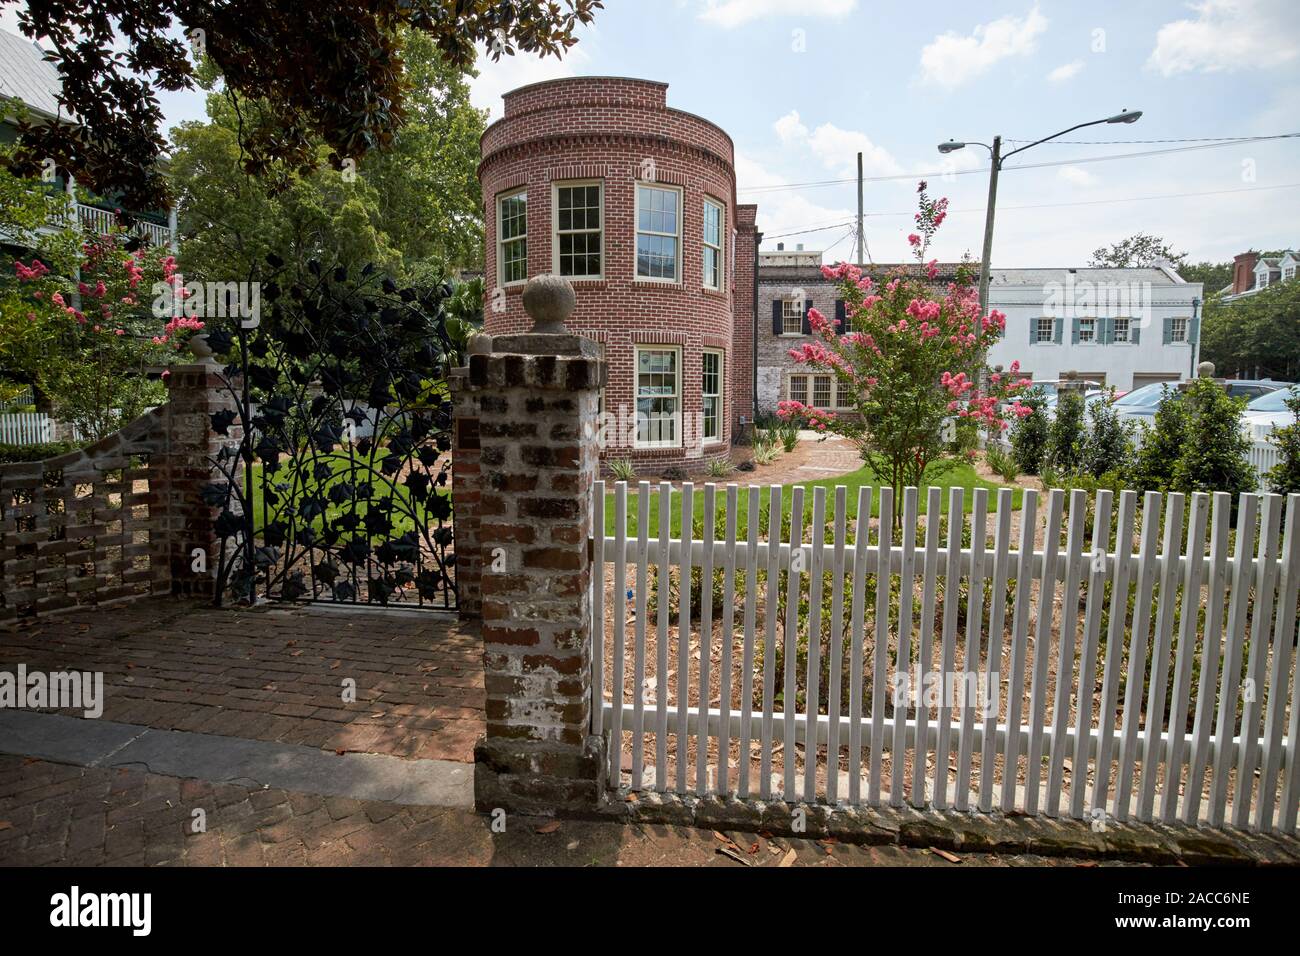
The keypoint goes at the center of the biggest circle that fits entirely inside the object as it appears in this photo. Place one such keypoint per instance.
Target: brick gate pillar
(535, 395)
(195, 393)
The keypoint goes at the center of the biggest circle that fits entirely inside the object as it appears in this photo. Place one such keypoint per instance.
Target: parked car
(1090, 398)
(1140, 404)
(1269, 412)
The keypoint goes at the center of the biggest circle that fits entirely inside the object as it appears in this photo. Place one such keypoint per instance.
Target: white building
(1122, 327)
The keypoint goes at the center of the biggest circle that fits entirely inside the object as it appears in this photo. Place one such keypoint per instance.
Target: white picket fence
(1210, 738)
(25, 428)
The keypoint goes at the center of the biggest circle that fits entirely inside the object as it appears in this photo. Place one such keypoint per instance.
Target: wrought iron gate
(335, 484)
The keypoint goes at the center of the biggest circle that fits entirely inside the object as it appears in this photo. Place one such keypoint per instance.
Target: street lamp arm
(1109, 119)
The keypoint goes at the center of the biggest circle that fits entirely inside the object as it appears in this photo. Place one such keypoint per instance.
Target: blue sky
(803, 85)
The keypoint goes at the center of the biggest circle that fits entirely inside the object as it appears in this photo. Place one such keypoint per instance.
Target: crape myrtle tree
(331, 71)
(910, 361)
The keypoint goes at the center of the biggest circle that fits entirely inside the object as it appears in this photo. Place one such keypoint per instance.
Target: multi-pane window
(1045, 329)
(1119, 332)
(1087, 330)
(658, 227)
(712, 396)
(578, 230)
(657, 396)
(792, 316)
(513, 238)
(1178, 330)
(713, 221)
(799, 389)
(822, 389)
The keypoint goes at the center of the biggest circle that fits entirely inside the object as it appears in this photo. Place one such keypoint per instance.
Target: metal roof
(26, 76)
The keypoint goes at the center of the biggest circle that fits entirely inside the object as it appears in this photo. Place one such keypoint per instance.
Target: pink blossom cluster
(814, 418)
(30, 273)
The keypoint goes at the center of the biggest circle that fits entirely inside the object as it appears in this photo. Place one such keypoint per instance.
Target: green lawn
(962, 476)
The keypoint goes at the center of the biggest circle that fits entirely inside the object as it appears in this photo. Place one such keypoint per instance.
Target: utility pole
(988, 225)
(861, 234)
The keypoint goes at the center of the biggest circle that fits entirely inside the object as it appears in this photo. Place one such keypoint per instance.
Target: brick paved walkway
(274, 674)
(52, 814)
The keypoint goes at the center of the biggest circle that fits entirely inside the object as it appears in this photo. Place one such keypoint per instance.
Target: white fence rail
(25, 428)
(1155, 682)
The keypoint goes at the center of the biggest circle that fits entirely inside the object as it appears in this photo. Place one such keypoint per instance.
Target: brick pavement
(53, 814)
(274, 674)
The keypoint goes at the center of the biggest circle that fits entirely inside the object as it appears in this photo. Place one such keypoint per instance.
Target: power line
(1050, 163)
(802, 231)
(1133, 142)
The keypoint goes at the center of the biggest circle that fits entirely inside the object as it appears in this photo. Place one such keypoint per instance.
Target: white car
(1269, 412)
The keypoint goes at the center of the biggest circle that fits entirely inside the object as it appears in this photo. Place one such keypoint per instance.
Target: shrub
(621, 469)
(1161, 446)
(1284, 477)
(38, 452)
(788, 433)
(1108, 445)
(1002, 463)
(1029, 435)
(720, 468)
(1218, 456)
(1067, 437)
(765, 454)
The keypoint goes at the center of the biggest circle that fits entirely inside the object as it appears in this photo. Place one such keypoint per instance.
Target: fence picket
(1260, 641)
(790, 642)
(598, 607)
(1019, 646)
(747, 655)
(1137, 654)
(1180, 696)
(728, 629)
(1283, 646)
(925, 641)
(1042, 637)
(1199, 756)
(684, 634)
(706, 638)
(812, 678)
(661, 637)
(638, 651)
(1073, 581)
(971, 655)
(1096, 572)
(879, 673)
(836, 649)
(993, 657)
(903, 674)
(951, 590)
(769, 641)
(857, 627)
(1225, 729)
(618, 645)
(1106, 718)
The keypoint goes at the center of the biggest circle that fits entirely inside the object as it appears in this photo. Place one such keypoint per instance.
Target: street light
(997, 159)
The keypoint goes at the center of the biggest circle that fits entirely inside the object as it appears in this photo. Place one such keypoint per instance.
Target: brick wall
(606, 129)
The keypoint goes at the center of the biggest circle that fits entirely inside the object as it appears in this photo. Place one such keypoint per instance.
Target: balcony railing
(101, 221)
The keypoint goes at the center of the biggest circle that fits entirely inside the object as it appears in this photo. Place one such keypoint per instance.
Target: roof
(877, 271)
(25, 75)
(1152, 274)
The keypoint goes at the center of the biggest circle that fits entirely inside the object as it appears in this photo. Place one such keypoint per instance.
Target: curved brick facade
(619, 134)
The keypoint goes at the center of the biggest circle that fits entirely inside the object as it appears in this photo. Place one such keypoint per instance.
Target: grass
(957, 476)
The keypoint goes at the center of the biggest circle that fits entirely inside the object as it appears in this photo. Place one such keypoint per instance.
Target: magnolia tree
(92, 341)
(911, 362)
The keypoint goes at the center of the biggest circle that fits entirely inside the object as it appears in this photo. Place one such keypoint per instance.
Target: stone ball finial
(1205, 370)
(549, 300)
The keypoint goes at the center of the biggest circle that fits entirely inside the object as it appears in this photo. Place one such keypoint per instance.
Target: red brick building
(599, 180)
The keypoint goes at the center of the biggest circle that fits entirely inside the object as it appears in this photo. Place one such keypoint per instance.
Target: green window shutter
(1033, 331)
(1168, 331)
(1134, 330)
(1193, 330)
(1074, 331)
(1057, 330)
(1106, 332)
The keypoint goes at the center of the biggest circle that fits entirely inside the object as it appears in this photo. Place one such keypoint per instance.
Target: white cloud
(1076, 176)
(792, 211)
(1065, 72)
(951, 60)
(734, 13)
(511, 72)
(836, 148)
(1228, 35)
(9, 20)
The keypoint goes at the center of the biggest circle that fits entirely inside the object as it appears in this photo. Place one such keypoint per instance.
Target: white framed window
(792, 316)
(512, 238)
(578, 238)
(1087, 330)
(815, 390)
(1045, 329)
(714, 221)
(658, 233)
(1288, 273)
(658, 396)
(1261, 279)
(1120, 331)
(711, 395)
(1178, 330)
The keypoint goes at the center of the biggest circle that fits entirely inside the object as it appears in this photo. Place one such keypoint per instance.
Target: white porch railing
(831, 672)
(103, 221)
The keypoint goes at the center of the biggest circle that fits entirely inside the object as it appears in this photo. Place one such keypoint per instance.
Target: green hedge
(39, 452)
